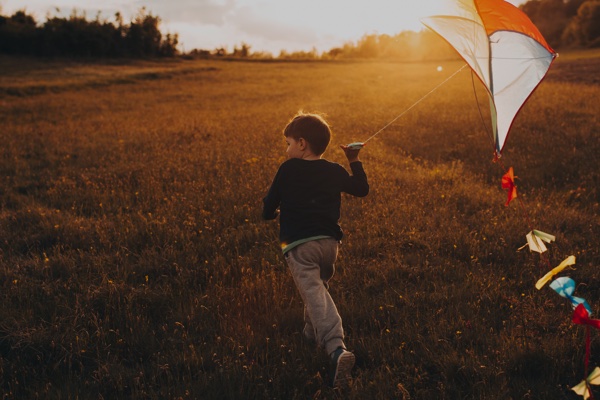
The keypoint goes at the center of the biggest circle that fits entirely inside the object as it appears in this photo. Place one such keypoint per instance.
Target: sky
(264, 25)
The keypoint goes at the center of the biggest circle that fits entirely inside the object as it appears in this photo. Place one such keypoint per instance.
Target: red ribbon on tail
(508, 182)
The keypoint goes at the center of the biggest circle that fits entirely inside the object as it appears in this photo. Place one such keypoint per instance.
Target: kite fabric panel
(503, 48)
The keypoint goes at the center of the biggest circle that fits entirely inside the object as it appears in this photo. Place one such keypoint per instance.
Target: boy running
(306, 192)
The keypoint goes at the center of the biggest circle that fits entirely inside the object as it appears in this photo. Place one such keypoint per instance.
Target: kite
(543, 280)
(582, 388)
(504, 49)
(565, 287)
(508, 183)
(536, 239)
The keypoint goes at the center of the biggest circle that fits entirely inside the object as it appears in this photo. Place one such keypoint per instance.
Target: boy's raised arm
(357, 184)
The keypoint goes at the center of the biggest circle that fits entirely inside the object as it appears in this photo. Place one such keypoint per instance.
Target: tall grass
(134, 264)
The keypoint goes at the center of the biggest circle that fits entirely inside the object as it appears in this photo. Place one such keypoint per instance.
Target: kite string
(547, 260)
(414, 104)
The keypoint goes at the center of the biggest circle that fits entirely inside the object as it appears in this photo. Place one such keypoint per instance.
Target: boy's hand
(268, 217)
(351, 153)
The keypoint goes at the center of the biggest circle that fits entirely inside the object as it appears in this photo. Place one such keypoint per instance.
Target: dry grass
(134, 264)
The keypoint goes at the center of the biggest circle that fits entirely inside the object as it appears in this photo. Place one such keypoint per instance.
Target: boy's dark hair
(311, 127)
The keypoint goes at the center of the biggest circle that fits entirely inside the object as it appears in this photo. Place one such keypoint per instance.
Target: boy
(307, 190)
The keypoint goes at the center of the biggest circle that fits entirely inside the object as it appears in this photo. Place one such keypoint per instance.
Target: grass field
(134, 263)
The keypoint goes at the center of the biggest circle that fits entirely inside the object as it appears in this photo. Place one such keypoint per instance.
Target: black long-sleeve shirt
(308, 195)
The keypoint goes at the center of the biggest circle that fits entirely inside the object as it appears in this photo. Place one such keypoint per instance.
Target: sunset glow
(265, 25)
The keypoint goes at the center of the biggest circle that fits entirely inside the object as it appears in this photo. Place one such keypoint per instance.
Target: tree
(368, 46)
(75, 36)
(589, 20)
(17, 33)
(551, 20)
(242, 51)
(168, 47)
(584, 28)
(571, 7)
(565, 22)
(143, 36)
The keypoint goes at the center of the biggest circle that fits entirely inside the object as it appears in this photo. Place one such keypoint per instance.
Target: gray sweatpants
(312, 266)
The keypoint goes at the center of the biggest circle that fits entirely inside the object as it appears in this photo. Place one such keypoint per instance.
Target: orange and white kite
(503, 48)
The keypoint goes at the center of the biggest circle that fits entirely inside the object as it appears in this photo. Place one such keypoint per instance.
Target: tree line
(76, 36)
(564, 23)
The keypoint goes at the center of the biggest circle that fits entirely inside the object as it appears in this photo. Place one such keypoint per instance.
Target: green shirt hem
(287, 247)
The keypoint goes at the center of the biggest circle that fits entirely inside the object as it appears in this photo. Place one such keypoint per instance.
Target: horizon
(265, 26)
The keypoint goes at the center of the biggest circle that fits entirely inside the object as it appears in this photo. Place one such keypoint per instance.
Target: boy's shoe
(343, 362)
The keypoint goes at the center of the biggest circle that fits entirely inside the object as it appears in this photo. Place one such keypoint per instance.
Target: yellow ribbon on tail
(546, 278)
